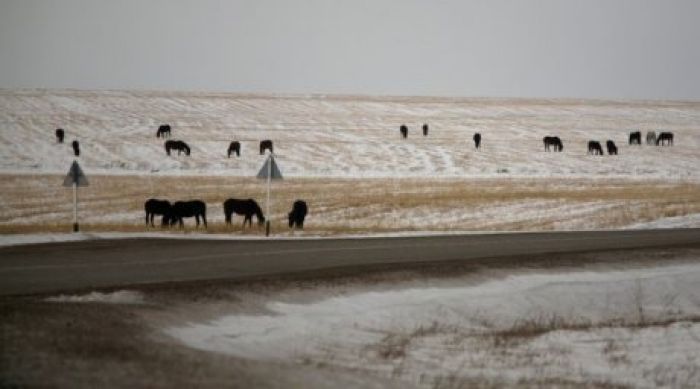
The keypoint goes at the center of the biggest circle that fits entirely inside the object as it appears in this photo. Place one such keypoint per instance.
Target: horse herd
(175, 213)
(551, 143)
(595, 147)
(165, 131)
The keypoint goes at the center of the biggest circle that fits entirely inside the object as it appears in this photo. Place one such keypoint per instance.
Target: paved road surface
(54, 267)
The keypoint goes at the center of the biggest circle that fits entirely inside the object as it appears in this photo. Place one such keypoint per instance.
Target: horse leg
(196, 217)
(204, 219)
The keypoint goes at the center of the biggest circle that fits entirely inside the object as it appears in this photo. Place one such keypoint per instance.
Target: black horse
(247, 208)
(156, 207)
(651, 138)
(265, 145)
(163, 131)
(76, 148)
(404, 131)
(612, 149)
(183, 209)
(296, 217)
(665, 138)
(178, 145)
(635, 138)
(477, 140)
(59, 135)
(425, 130)
(552, 142)
(595, 148)
(234, 147)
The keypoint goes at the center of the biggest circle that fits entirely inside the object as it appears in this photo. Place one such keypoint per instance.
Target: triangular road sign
(275, 173)
(75, 176)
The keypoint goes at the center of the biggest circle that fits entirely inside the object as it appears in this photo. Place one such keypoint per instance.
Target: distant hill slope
(341, 136)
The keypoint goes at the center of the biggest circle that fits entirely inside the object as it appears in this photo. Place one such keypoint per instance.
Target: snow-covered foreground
(637, 326)
(355, 137)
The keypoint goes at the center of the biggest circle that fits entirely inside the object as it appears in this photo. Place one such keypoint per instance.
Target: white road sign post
(269, 171)
(75, 178)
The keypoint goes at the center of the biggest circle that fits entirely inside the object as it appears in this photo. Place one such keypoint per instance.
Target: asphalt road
(53, 267)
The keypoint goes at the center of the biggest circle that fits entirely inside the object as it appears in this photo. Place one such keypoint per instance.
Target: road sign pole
(269, 179)
(75, 207)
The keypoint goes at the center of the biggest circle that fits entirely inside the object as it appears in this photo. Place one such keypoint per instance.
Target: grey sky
(546, 48)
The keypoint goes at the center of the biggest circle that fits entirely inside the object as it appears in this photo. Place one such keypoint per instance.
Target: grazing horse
(163, 131)
(265, 144)
(404, 131)
(247, 208)
(612, 149)
(425, 130)
(665, 138)
(553, 142)
(234, 147)
(477, 140)
(635, 138)
(296, 217)
(156, 207)
(595, 148)
(76, 148)
(651, 138)
(59, 135)
(183, 209)
(178, 145)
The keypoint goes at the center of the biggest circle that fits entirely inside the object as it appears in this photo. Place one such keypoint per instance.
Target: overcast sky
(548, 48)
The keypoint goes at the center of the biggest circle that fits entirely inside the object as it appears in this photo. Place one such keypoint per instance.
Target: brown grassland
(38, 203)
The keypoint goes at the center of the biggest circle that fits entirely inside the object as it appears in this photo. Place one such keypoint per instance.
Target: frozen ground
(353, 137)
(605, 326)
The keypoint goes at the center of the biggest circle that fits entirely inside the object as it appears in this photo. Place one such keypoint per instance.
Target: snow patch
(117, 297)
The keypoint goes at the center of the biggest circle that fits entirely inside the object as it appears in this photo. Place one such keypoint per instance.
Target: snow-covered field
(344, 156)
(332, 136)
(634, 326)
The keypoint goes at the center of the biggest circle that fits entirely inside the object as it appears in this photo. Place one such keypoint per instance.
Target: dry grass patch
(38, 203)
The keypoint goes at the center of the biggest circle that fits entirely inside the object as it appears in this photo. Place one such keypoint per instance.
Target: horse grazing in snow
(425, 130)
(178, 145)
(76, 148)
(247, 208)
(59, 135)
(477, 140)
(665, 138)
(595, 148)
(265, 145)
(612, 149)
(552, 142)
(635, 138)
(234, 147)
(163, 131)
(404, 131)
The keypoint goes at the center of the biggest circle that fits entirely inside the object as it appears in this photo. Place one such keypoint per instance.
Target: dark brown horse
(298, 214)
(595, 148)
(76, 148)
(183, 209)
(178, 145)
(404, 131)
(477, 140)
(425, 130)
(156, 207)
(163, 131)
(234, 147)
(265, 145)
(612, 149)
(552, 142)
(59, 135)
(247, 208)
(635, 138)
(665, 138)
